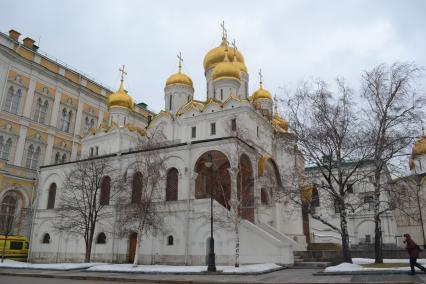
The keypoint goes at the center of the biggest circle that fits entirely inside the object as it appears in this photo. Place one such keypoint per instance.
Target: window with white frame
(33, 156)
(41, 111)
(12, 101)
(66, 120)
(5, 146)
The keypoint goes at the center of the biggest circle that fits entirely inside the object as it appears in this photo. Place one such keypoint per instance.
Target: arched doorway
(132, 246)
(245, 188)
(215, 180)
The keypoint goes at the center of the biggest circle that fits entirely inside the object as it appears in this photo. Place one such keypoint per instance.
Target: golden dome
(241, 66)
(120, 98)
(217, 55)
(281, 122)
(179, 79)
(226, 70)
(261, 94)
(419, 147)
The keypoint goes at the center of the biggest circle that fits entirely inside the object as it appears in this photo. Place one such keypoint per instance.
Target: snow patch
(254, 268)
(49, 266)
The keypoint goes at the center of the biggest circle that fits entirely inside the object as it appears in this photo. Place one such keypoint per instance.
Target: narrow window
(214, 93)
(101, 239)
(137, 187)
(64, 119)
(43, 113)
(97, 150)
(170, 102)
(51, 196)
(57, 159)
(15, 102)
(172, 185)
(257, 131)
(193, 132)
(221, 94)
(213, 128)
(264, 198)
(5, 148)
(170, 240)
(234, 124)
(64, 158)
(37, 110)
(8, 102)
(92, 123)
(87, 123)
(105, 191)
(91, 151)
(46, 239)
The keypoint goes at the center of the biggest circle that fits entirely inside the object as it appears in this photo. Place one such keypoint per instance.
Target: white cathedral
(192, 130)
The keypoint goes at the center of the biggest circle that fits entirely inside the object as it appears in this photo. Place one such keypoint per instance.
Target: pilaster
(78, 117)
(20, 146)
(29, 99)
(49, 149)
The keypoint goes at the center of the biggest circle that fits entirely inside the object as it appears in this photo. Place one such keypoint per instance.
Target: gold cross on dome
(224, 33)
(260, 77)
(179, 56)
(123, 73)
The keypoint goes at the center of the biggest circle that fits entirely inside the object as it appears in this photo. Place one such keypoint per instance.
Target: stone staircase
(300, 262)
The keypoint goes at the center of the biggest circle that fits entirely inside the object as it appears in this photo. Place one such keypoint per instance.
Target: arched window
(172, 185)
(101, 239)
(33, 156)
(43, 112)
(51, 196)
(64, 158)
(5, 148)
(57, 157)
(16, 99)
(87, 123)
(8, 102)
(92, 123)
(137, 187)
(105, 190)
(170, 240)
(264, 196)
(64, 119)
(46, 239)
(38, 109)
(69, 121)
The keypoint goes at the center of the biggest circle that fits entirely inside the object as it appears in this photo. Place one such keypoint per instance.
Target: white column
(49, 149)
(74, 151)
(29, 98)
(78, 117)
(20, 145)
(55, 108)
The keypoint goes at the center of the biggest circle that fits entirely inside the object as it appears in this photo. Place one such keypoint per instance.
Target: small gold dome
(241, 66)
(217, 55)
(261, 94)
(179, 79)
(281, 122)
(419, 147)
(226, 70)
(120, 99)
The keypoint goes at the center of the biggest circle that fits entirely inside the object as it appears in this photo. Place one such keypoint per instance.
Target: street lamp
(419, 178)
(211, 267)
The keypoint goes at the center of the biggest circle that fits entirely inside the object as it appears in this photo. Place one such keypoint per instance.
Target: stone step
(312, 264)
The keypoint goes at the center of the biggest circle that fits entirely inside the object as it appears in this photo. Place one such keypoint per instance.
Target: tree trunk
(237, 246)
(3, 254)
(88, 252)
(346, 251)
(138, 243)
(378, 253)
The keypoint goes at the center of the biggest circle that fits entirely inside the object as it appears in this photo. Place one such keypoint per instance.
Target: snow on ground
(183, 269)
(356, 265)
(51, 266)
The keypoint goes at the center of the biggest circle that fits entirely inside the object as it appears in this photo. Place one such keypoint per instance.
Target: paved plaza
(284, 276)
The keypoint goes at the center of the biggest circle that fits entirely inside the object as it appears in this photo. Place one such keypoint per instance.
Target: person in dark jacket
(414, 252)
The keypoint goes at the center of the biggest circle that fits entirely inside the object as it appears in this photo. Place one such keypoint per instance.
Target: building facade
(243, 135)
(46, 109)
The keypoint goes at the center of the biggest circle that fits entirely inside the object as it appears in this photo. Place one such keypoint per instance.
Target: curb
(355, 273)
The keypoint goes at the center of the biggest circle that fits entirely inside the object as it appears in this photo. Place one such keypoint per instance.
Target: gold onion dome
(241, 66)
(419, 147)
(179, 79)
(120, 98)
(281, 122)
(217, 55)
(261, 94)
(226, 70)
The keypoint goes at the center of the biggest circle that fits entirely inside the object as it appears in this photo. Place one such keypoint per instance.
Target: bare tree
(140, 209)
(88, 190)
(7, 220)
(392, 116)
(327, 132)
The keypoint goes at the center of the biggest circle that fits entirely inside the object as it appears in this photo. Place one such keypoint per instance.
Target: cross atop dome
(123, 73)
(179, 56)
(224, 31)
(260, 78)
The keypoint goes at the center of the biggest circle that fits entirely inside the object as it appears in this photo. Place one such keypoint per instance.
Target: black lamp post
(419, 178)
(211, 267)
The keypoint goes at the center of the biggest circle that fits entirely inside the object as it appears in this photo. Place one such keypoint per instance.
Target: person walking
(413, 251)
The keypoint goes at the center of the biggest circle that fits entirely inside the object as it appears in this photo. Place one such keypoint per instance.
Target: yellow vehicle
(16, 247)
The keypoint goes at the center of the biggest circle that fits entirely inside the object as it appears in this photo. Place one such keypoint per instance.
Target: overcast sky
(289, 40)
